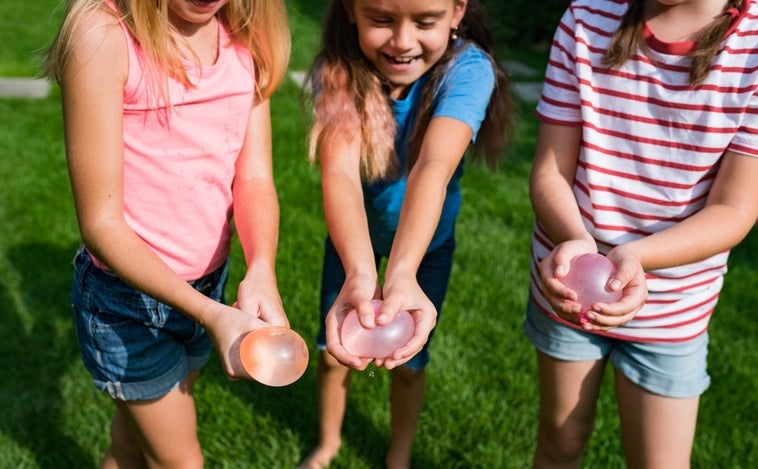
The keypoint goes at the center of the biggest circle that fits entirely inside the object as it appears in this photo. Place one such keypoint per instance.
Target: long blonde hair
(629, 38)
(260, 26)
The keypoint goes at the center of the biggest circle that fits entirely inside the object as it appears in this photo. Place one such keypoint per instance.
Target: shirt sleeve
(560, 101)
(466, 88)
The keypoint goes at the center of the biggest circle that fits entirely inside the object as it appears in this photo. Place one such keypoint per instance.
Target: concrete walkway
(32, 88)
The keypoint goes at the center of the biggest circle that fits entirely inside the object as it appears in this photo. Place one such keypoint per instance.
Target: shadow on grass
(37, 347)
(294, 408)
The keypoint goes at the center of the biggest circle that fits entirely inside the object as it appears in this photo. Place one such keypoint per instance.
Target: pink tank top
(178, 174)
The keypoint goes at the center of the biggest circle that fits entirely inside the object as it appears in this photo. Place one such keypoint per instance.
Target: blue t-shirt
(463, 94)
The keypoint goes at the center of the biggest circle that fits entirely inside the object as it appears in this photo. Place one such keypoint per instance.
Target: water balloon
(377, 342)
(588, 276)
(274, 355)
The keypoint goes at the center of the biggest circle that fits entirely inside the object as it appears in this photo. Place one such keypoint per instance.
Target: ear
(459, 11)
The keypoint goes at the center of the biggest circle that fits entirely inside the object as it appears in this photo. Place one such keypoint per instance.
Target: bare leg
(657, 431)
(161, 433)
(333, 387)
(568, 396)
(406, 401)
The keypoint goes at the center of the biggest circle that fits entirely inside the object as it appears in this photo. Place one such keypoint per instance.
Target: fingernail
(615, 284)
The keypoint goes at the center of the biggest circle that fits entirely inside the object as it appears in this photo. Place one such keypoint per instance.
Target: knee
(563, 442)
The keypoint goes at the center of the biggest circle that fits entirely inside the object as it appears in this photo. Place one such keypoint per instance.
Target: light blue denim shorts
(135, 347)
(669, 369)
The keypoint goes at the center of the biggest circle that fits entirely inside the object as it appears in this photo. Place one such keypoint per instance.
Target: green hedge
(524, 22)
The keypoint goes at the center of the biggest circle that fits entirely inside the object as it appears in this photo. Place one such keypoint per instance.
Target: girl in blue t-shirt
(401, 89)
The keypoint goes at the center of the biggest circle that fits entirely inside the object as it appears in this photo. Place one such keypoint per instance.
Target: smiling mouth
(400, 60)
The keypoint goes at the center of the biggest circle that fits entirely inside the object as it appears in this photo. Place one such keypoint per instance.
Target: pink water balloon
(274, 355)
(588, 276)
(380, 341)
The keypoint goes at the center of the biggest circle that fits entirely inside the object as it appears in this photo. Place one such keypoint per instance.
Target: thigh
(657, 431)
(166, 428)
(568, 393)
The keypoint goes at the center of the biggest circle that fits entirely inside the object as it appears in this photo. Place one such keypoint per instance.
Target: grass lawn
(482, 392)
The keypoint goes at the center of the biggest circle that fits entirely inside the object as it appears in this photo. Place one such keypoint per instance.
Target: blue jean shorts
(135, 347)
(433, 276)
(676, 370)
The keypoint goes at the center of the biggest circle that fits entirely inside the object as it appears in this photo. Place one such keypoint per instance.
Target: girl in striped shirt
(647, 153)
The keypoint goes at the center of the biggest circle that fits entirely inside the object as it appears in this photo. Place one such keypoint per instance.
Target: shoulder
(97, 38)
(96, 46)
(470, 64)
(470, 55)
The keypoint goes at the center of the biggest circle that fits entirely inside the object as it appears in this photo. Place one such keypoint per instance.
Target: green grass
(482, 392)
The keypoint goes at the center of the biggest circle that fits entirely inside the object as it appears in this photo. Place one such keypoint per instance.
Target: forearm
(714, 229)
(116, 245)
(551, 181)
(347, 224)
(424, 197)
(256, 218)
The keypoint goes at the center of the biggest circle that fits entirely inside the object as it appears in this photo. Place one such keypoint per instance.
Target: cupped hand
(556, 266)
(630, 279)
(405, 294)
(356, 293)
(227, 326)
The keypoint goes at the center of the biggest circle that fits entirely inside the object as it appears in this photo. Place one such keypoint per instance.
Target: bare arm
(92, 90)
(441, 152)
(348, 229)
(558, 214)
(728, 216)
(256, 217)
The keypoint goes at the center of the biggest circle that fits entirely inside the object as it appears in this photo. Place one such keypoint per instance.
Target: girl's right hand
(356, 293)
(227, 326)
(554, 267)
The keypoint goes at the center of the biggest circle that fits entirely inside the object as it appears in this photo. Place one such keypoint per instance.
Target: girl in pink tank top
(166, 110)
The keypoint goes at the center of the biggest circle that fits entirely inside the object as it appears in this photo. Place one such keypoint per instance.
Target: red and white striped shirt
(651, 146)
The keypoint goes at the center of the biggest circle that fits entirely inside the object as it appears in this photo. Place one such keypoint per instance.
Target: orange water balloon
(380, 341)
(274, 355)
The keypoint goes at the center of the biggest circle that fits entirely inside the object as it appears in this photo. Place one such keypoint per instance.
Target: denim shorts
(135, 347)
(433, 276)
(676, 370)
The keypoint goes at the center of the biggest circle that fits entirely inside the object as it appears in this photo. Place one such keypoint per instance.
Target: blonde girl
(167, 129)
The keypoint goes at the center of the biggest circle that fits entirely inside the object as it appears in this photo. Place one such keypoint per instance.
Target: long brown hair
(352, 99)
(629, 37)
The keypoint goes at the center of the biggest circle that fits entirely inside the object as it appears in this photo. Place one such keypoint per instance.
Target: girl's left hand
(405, 294)
(258, 295)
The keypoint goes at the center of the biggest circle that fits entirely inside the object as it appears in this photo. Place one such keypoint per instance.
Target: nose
(403, 36)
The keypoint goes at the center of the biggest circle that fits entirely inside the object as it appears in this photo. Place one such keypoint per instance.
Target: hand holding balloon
(274, 355)
(379, 341)
(588, 276)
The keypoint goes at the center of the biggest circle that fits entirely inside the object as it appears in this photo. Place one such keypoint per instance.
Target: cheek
(372, 40)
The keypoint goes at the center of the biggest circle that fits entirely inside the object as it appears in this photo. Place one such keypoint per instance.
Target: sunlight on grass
(481, 403)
